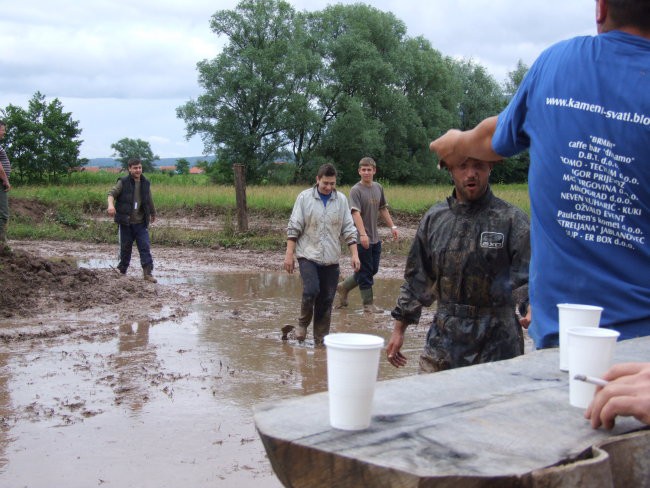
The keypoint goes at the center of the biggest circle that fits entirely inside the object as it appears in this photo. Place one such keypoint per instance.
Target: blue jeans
(318, 289)
(369, 265)
(140, 234)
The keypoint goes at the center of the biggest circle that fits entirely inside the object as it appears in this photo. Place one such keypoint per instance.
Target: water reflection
(135, 364)
(310, 366)
(244, 332)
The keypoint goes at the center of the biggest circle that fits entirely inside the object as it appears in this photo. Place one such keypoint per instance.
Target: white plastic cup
(574, 315)
(591, 350)
(352, 368)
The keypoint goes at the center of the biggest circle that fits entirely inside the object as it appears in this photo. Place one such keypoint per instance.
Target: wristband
(363, 235)
(394, 227)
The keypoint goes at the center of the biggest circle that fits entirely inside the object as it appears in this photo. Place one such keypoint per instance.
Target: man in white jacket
(320, 217)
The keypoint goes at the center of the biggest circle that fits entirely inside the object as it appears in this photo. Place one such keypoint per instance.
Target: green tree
(332, 85)
(385, 94)
(42, 142)
(515, 77)
(126, 148)
(182, 166)
(249, 87)
(481, 94)
(515, 168)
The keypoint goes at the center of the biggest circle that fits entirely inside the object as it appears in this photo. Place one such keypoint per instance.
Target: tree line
(304, 88)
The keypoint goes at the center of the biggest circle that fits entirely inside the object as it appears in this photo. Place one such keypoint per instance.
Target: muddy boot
(368, 299)
(146, 274)
(322, 327)
(306, 314)
(343, 289)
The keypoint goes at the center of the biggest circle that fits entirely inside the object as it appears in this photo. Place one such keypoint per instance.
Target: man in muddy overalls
(469, 254)
(320, 217)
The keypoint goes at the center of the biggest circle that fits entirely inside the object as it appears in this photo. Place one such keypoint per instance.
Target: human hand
(356, 264)
(6, 185)
(111, 211)
(393, 354)
(445, 148)
(626, 394)
(526, 319)
(365, 241)
(394, 232)
(289, 264)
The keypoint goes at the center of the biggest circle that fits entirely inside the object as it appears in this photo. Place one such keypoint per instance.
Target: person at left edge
(5, 171)
(320, 217)
(131, 205)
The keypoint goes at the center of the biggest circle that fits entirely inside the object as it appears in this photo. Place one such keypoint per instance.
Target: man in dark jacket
(469, 254)
(131, 205)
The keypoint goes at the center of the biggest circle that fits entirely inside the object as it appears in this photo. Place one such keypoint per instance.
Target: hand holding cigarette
(626, 393)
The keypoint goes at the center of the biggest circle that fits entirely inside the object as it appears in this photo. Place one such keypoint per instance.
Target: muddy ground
(103, 384)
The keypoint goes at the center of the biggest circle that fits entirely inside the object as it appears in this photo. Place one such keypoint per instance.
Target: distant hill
(112, 163)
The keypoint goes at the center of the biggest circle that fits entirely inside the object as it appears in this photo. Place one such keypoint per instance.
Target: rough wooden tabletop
(493, 422)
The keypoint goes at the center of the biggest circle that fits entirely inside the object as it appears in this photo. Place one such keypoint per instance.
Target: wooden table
(501, 424)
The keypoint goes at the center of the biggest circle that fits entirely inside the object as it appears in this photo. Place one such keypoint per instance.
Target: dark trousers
(140, 234)
(318, 290)
(369, 265)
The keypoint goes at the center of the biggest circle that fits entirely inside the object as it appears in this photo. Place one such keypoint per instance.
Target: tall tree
(481, 94)
(250, 86)
(515, 168)
(43, 141)
(378, 84)
(126, 148)
(515, 77)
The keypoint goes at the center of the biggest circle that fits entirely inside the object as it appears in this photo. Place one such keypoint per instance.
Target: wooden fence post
(240, 194)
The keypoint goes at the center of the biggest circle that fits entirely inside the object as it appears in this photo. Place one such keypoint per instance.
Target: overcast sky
(123, 67)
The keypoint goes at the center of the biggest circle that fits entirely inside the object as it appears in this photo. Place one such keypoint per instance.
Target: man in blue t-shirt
(583, 110)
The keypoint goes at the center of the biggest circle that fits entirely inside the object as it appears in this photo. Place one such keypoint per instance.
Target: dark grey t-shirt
(368, 200)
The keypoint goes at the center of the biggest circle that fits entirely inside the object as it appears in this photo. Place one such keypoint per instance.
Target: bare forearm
(456, 146)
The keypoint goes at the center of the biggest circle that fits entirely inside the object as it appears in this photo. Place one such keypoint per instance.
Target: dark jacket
(124, 201)
(469, 258)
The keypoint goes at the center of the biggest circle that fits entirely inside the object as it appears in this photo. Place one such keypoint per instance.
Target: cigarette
(591, 379)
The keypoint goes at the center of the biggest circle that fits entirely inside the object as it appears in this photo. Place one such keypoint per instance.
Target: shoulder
(337, 195)
(356, 189)
(508, 209)
(436, 211)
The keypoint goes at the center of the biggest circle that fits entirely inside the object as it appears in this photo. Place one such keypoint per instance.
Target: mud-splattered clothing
(468, 257)
(317, 228)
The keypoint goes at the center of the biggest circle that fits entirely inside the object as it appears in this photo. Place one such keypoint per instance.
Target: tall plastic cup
(352, 367)
(591, 350)
(574, 315)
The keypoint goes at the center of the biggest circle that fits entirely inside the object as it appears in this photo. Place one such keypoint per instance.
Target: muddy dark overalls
(468, 258)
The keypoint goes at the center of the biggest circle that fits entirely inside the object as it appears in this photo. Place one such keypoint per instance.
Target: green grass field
(72, 206)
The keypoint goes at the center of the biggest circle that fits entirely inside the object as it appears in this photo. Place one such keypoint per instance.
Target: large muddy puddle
(170, 403)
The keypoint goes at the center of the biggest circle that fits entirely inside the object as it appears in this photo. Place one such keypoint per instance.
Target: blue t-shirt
(584, 111)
